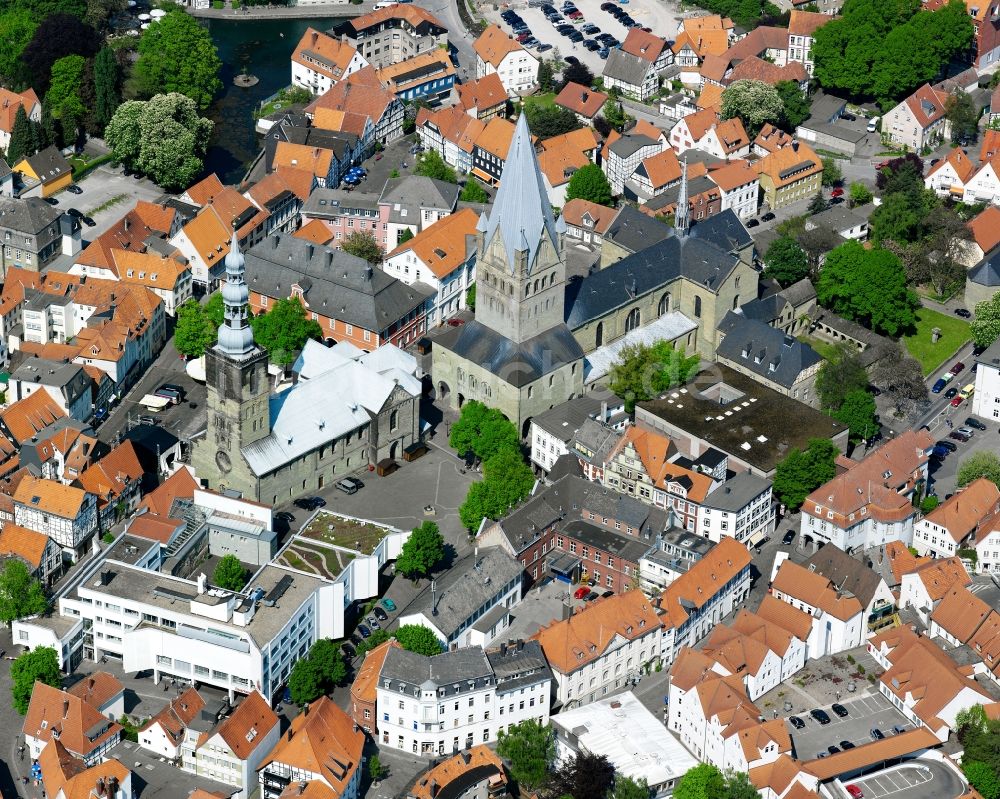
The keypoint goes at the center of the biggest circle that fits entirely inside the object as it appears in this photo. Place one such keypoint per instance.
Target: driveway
(102, 186)
(920, 779)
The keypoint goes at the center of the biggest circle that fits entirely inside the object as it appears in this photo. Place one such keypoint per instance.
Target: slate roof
(407, 670)
(627, 68)
(415, 192)
(334, 283)
(633, 230)
(734, 494)
(847, 573)
(31, 215)
(566, 418)
(517, 364)
(629, 144)
(619, 284)
(521, 213)
(518, 664)
(764, 350)
(987, 271)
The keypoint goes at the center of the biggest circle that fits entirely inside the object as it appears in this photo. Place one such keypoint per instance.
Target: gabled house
(66, 776)
(395, 32)
(164, 733)
(587, 221)
(43, 174)
(926, 585)
(633, 75)
(704, 131)
(583, 101)
(918, 121)
(428, 77)
(802, 26)
(789, 174)
(949, 175)
(320, 61)
(37, 551)
(955, 523)
(561, 156)
(489, 152)
(66, 514)
(10, 102)
(59, 716)
(360, 97)
(500, 53)
(484, 98)
(648, 47)
(450, 133)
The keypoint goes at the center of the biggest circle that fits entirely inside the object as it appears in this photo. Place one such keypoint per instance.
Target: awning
(564, 564)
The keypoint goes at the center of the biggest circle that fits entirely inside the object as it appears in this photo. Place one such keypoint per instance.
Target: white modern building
(741, 508)
(621, 729)
(449, 702)
(553, 431)
(986, 399)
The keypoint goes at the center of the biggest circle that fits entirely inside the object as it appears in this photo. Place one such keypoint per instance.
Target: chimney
(65, 708)
(604, 410)
(315, 37)
(202, 581)
(795, 145)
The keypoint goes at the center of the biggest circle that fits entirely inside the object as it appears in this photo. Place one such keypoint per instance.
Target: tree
(284, 330)
(17, 28)
(507, 480)
(896, 219)
(589, 183)
(163, 137)
(797, 106)
(377, 638)
(963, 115)
(530, 748)
(831, 172)
(859, 194)
(176, 54)
(107, 87)
(473, 192)
(869, 287)
(903, 174)
(483, 431)
(423, 550)
(785, 261)
(376, 771)
(64, 91)
(304, 683)
(979, 464)
(840, 375)
(419, 639)
(230, 574)
(20, 594)
(470, 297)
(801, 472)
(547, 121)
(982, 777)
(41, 664)
(329, 663)
(644, 371)
(21, 137)
(985, 328)
(738, 786)
(899, 376)
(48, 131)
(577, 73)
(194, 333)
(546, 76)
(363, 244)
(816, 243)
(584, 776)
(56, 37)
(857, 411)
(430, 164)
(215, 309)
(704, 781)
(614, 113)
(754, 102)
(627, 788)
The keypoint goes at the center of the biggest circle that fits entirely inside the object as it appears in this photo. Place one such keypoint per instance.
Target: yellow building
(44, 173)
(789, 174)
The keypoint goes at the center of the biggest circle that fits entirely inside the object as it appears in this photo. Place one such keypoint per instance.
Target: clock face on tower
(223, 462)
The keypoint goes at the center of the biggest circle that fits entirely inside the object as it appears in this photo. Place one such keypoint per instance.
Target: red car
(957, 401)
(453, 322)
(581, 592)
(855, 791)
(838, 192)
(958, 367)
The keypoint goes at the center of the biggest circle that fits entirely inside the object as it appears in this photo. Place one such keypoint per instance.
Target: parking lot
(662, 18)
(924, 779)
(864, 713)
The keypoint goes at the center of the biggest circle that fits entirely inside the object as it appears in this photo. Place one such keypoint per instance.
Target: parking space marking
(900, 780)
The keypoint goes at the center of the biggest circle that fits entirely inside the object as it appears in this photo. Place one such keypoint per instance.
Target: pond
(262, 48)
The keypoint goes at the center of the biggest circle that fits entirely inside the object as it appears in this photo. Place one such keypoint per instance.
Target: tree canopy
(754, 102)
(284, 330)
(41, 664)
(577, 73)
(483, 431)
(363, 244)
(58, 36)
(20, 594)
(22, 137)
(17, 29)
(507, 480)
(107, 87)
(318, 673)
(644, 371)
(979, 464)
(590, 183)
(194, 332)
(546, 121)
(176, 54)
(530, 748)
(886, 49)
(63, 98)
(869, 287)
(230, 574)
(796, 106)
(419, 639)
(423, 550)
(430, 164)
(801, 472)
(858, 412)
(899, 376)
(785, 261)
(583, 776)
(473, 192)
(163, 137)
(985, 328)
(980, 739)
(841, 374)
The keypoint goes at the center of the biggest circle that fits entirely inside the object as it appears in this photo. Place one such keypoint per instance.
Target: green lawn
(545, 100)
(954, 333)
(823, 348)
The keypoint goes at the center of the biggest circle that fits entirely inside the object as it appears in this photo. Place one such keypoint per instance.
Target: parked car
(788, 537)
(147, 420)
(581, 592)
(966, 431)
(957, 368)
(76, 213)
(940, 453)
(543, 47)
(372, 622)
(768, 216)
(946, 444)
(840, 710)
(837, 192)
(349, 485)
(877, 734)
(380, 614)
(591, 45)
(603, 53)
(348, 650)
(963, 312)
(845, 745)
(974, 422)
(572, 59)
(854, 791)
(388, 604)
(51, 200)
(591, 596)
(959, 436)
(365, 632)
(896, 730)
(576, 37)
(951, 392)
(796, 722)
(72, 188)
(88, 222)
(967, 390)
(956, 401)
(753, 223)
(309, 503)
(833, 749)
(820, 715)
(939, 385)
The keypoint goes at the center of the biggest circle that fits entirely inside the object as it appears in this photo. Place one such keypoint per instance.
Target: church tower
(521, 266)
(238, 389)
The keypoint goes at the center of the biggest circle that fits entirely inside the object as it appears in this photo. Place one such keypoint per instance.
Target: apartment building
(789, 174)
(956, 522)
(395, 33)
(552, 432)
(497, 51)
(66, 514)
(320, 61)
(61, 716)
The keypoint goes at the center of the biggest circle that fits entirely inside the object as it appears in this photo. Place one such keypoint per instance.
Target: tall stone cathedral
(518, 355)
